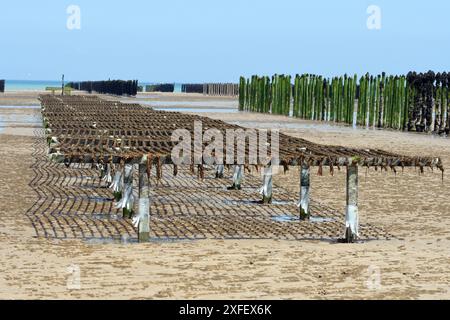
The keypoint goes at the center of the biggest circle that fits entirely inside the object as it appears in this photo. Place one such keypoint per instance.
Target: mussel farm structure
(212, 89)
(209, 89)
(416, 102)
(131, 147)
(114, 87)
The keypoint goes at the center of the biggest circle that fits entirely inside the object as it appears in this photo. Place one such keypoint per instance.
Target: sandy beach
(413, 207)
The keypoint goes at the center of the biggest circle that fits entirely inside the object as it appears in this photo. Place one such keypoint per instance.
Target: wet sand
(413, 207)
(20, 98)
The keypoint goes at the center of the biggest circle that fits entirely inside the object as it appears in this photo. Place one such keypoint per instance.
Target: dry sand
(414, 208)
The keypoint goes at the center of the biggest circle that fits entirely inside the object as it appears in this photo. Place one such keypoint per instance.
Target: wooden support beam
(144, 204)
(101, 173)
(305, 173)
(351, 216)
(127, 182)
(433, 116)
(237, 177)
(267, 187)
(142, 180)
(117, 184)
(219, 171)
(106, 175)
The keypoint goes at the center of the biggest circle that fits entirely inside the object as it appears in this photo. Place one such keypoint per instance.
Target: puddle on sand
(13, 120)
(106, 217)
(240, 202)
(127, 240)
(97, 199)
(295, 219)
(253, 202)
(320, 219)
(87, 177)
(92, 187)
(20, 107)
(281, 203)
(191, 104)
(94, 199)
(285, 219)
(112, 240)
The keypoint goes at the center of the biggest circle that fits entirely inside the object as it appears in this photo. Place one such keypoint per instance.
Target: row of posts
(351, 214)
(122, 186)
(221, 89)
(142, 219)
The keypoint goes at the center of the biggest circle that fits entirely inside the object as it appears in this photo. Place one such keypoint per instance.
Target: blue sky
(201, 40)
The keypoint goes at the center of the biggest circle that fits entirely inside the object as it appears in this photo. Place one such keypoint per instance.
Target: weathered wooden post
(433, 116)
(266, 190)
(101, 172)
(382, 101)
(219, 171)
(355, 114)
(107, 178)
(237, 177)
(351, 216)
(144, 203)
(304, 192)
(127, 194)
(62, 85)
(117, 184)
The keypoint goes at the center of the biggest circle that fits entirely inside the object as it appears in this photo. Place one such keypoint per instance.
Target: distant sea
(177, 86)
(36, 85)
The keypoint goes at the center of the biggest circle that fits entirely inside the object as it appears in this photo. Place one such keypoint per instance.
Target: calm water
(20, 85)
(37, 85)
(177, 86)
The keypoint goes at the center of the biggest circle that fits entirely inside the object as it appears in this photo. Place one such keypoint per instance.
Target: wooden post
(351, 216)
(355, 114)
(144, 203)
(127, 180)
(444, 120)
(117, 184)
(381, 112)
(219, 171)
(267, 187)
(433, 116)
(62, 85)
(237, 177)
(304, 192)
(142, 180)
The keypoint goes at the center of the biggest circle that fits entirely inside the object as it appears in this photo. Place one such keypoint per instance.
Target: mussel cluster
(429, 102)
